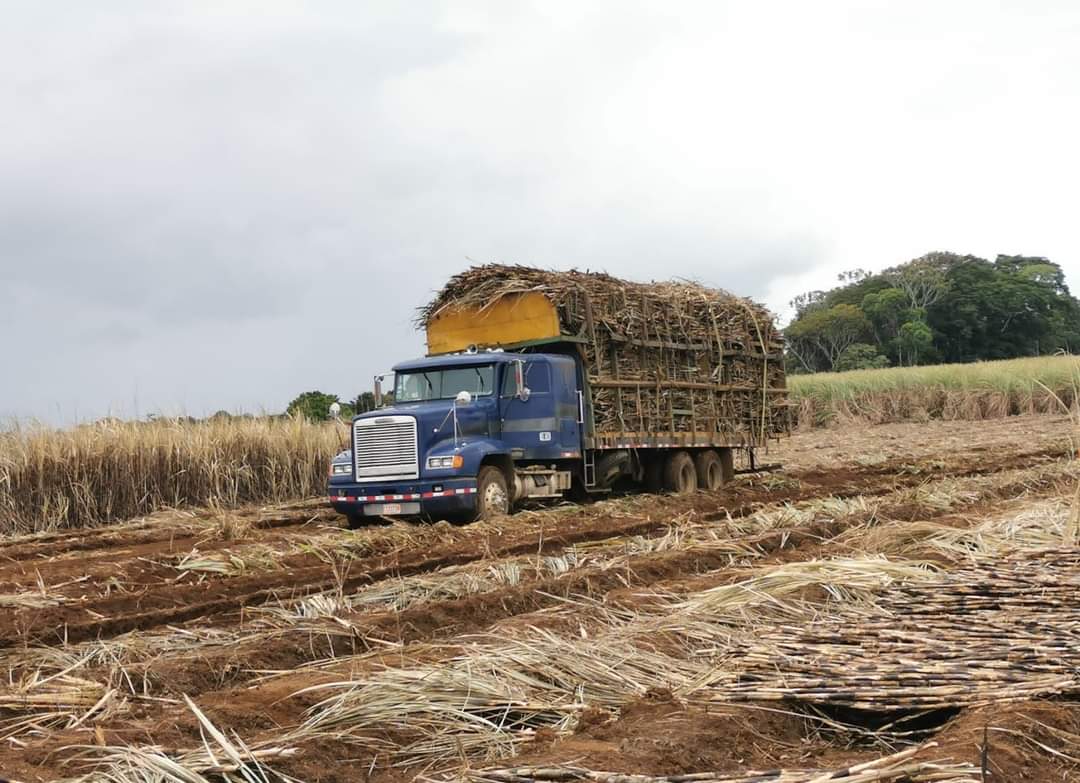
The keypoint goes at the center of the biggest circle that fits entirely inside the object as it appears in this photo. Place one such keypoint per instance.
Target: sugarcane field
(503, 391)
(897, 603)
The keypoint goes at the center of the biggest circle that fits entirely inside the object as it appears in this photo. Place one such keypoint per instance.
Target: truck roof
(460, 360)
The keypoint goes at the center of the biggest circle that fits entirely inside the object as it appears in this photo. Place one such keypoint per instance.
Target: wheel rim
(495, 499)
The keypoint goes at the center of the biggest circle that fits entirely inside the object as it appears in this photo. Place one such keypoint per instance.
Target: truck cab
(466, 435)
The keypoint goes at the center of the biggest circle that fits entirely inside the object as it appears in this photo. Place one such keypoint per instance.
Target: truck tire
(357, 521)
(680, 477)
(492, 495)
(710, 472)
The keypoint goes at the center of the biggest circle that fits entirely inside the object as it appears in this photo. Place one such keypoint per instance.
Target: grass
(98, 473)
(982, 390)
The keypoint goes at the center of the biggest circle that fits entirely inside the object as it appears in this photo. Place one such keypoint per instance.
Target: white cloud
(222, 204)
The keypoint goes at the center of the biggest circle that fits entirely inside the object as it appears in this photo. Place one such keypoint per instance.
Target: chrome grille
(384, 447)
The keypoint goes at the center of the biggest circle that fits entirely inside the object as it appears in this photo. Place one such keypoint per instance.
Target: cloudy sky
(221, 204)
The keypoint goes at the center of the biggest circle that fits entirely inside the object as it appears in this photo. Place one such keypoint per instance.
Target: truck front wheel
(492, 495)
(680, 476)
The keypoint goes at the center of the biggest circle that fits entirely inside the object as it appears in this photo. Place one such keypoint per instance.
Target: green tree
(1016, 306)
(887, 310)
(1035, 268)
(860, 356)
(856, 275)
(312, 405)
(364, 402)
(822, 335)
(941, 307)
(916, 338)
(804, 303)
(923, 279)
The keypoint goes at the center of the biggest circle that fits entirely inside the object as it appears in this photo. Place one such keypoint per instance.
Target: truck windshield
(444, 383)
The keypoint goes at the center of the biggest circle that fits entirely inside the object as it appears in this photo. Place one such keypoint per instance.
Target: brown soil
(1012, 734)
(656, 735)
(124, 579)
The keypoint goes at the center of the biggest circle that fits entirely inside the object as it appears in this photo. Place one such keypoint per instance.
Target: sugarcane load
(539, 384)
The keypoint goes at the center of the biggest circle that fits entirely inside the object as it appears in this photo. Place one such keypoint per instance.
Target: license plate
(390, 509)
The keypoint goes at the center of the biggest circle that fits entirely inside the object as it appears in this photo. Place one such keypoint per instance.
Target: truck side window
(537, 379)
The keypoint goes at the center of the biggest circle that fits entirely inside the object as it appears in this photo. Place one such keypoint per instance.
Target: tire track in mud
(193, 527)
(229, 697)
(700, 559)
(612, 568)
(219, 599)
(67, 622)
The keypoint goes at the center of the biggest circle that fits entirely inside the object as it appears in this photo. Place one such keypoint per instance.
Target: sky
(219, 205)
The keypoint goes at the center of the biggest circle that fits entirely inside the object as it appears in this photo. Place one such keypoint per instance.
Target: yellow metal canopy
(512, 319)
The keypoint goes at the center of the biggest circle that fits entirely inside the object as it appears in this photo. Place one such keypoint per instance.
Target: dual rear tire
(682, 474)
(710, 470)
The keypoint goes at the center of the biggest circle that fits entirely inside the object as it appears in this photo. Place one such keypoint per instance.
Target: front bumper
(436, 498)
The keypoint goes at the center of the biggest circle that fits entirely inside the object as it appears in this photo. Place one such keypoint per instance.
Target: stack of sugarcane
(661, 357)
(896, 767)
(987, 632)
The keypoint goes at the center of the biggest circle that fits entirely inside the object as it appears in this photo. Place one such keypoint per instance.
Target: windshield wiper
(481, 377)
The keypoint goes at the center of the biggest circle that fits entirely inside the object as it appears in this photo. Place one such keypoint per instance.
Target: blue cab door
(545, 425)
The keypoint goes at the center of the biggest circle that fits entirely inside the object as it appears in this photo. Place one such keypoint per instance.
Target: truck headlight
(340, 469)
(439, 463)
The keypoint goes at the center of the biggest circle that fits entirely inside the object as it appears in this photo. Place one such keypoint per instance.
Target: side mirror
(519, 381)
(335, 410)
(463, 398)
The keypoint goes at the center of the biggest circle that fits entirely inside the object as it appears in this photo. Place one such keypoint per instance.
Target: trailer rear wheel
(680, 476)
(492, 495)
(710, 471)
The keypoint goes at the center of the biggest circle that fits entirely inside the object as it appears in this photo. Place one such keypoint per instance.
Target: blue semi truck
(519, 400)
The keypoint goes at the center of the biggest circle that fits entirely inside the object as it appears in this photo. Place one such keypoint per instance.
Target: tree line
(941, 307)
(315, 405)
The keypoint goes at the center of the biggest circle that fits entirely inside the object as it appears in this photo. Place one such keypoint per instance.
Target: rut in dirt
(694, 563)
(220, 599)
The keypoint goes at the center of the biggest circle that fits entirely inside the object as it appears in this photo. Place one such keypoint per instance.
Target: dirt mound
(658, 735)
(1024, 741)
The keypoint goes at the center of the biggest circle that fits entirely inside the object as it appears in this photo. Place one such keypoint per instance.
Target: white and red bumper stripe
(412, 496)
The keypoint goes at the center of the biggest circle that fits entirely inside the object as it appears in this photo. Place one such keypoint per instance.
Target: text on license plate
(391, 509)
